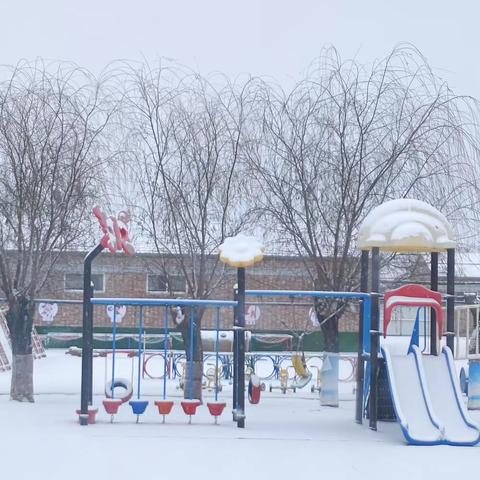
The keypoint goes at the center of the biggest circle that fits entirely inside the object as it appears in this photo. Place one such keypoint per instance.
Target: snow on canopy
(241, 251)
(406, 225)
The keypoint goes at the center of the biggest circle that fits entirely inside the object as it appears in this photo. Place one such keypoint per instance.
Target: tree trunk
(329, 372)
(330, 334)
(20, 323)
(192, 387)
(193, 384)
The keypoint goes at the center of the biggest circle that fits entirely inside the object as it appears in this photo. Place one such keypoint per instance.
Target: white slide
(446, 398)
(427, 399)
(411, 406)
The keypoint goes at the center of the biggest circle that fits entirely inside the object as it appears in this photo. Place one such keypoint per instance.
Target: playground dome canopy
(405, 225)
(241, 251)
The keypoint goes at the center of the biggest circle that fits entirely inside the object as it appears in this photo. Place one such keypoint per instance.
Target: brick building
(141, 276)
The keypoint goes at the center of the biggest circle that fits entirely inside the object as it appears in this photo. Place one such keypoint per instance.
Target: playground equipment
(424, 388)
(38, 349)
(300, 378)
(425, 391)
(114, 399)
(165, 406)
(240, 252)
(329, 390)
(139, 406)
(255, 389)
(115, 239)
(428, 382)
(303, 375)
(189, 405)
(285, 383)
(216, 407)
(317, 384)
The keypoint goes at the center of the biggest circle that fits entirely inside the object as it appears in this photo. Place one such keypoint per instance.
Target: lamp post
(240, 251)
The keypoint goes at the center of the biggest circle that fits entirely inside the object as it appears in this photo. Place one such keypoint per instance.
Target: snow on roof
(406, 225)
(241, 251)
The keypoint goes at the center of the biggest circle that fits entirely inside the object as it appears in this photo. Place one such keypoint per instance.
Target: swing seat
(190, 406)
(112, 405)
(164, 406)
(216, 408)
(303, 381)
(138, 406)
(118, 385)
(254, 389)
(92, 413)
(300, 368)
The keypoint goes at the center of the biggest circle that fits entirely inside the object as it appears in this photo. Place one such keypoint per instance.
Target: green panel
(312, 342)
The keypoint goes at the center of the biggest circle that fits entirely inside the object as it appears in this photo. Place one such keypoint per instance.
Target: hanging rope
(165, 346)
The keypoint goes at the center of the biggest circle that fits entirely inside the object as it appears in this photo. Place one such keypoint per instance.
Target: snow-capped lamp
(240, 251)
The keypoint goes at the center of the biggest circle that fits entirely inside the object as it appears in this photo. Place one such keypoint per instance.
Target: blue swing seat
(138, 406)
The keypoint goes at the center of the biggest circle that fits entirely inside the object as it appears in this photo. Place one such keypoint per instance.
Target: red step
(164, 406)
(216, 408)
(112, 405)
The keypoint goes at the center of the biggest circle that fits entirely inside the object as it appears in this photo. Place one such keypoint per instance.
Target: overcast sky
(262, 37)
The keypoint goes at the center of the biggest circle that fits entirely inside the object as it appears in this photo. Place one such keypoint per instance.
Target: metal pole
(433, 313)
(87, 336)
(241, 349)
(165, 346)
(90, 357)
(360, 359)
(140, 327)
(450, 333)
(114, 349)
(374, 333)
(191, 365)
(235, 355)
(217, 339)
(476, 336)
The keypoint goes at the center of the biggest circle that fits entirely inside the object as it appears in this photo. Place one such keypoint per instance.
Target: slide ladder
(38, 350)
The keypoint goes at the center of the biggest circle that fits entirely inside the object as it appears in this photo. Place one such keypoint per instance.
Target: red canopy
(412, 295)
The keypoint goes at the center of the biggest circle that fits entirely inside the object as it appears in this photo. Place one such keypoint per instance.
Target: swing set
(189, 405)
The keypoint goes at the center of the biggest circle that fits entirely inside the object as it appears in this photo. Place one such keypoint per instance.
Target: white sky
(263, 37)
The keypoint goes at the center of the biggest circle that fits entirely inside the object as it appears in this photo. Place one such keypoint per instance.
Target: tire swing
(113, 398)
(254, 389)
(216, 408)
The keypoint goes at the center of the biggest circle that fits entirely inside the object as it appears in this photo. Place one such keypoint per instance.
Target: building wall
(127, 277)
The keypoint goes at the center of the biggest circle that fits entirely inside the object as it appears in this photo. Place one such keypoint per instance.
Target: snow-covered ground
(287, 437)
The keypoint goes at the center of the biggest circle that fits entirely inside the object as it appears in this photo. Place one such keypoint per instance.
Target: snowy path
(286, 437)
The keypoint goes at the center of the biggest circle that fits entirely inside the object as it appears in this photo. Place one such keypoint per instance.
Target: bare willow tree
(344, 140)
(185, 144)
(51, 117)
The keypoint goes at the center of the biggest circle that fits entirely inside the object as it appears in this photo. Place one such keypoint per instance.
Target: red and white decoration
(47, 311)
(252, 315)
(120, 311)
(115, 232)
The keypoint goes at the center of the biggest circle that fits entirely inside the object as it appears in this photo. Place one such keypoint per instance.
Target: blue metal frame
(366, 299)
(158, 302)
